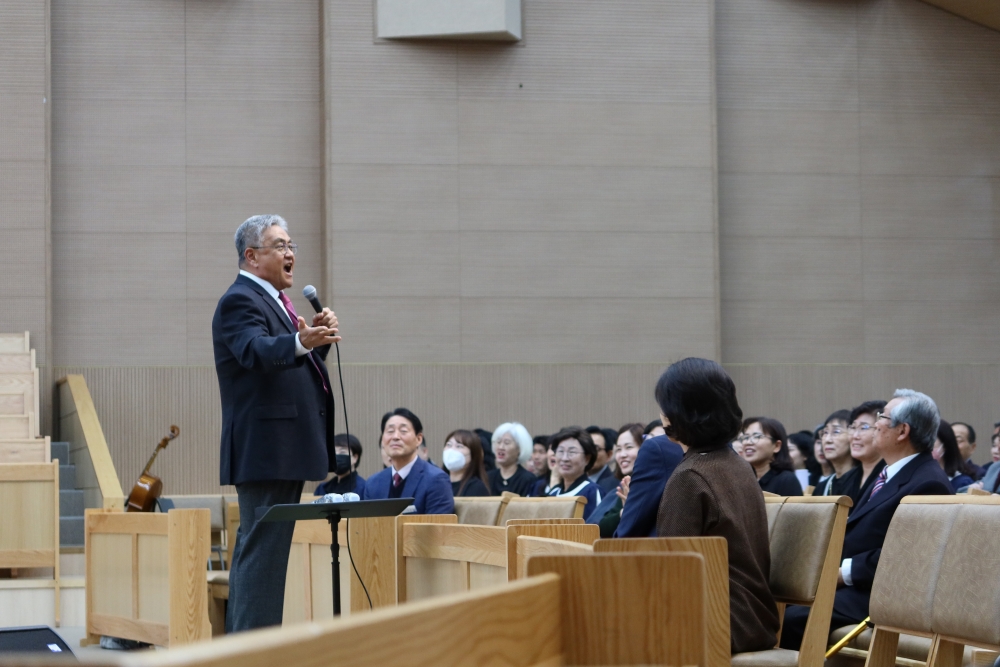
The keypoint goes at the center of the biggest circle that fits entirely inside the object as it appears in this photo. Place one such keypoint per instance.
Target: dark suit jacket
(429, 486)
(867, 525)
(277, 422)
(653, 466)
(606, 482)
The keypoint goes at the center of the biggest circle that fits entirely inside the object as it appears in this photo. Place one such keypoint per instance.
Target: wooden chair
(557, 507)
(29, 524)
(484, 511)
(145, 576)
(807, 539)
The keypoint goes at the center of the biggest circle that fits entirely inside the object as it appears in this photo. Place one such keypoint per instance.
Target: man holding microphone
(277, 411)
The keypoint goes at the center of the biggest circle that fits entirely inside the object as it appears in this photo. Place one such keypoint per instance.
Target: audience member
(904, 435)
(714, 493)
(949, 457)
(486, 440)
(765, 449)
(825, 469)
(654, 464)
(654, 429)
(965, 436)
(608, 514)
(409, 476)
(547, 483)
(601, 474)
(512, 445)
(804, 463)
(846, 477)
(540, 456)
(575, 456)
(463, 459)
(345, 478)
(862, 430)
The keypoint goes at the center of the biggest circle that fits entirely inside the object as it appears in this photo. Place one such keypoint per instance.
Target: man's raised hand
(318, 336)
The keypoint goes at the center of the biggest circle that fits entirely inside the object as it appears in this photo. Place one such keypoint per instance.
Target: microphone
(309, 292)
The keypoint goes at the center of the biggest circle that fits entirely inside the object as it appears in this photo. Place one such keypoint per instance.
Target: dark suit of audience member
(653, 466)
(607, 515)
(848, 484)
(428, 485)
(782, 483)
(866, 488)
(605, 480)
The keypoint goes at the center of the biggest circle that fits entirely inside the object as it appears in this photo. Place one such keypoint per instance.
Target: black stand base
(334, 519)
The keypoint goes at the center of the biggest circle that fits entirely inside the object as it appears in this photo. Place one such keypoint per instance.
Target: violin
(148, 488)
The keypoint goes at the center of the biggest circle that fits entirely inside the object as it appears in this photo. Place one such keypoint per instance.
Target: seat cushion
(775, 657)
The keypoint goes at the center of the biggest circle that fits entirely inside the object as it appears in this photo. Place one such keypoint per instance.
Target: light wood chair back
(29, 522)
(557, 507)
(439, 559)
(630, 609)
(570, 532)
(482, 511)
(146, 576)
(715, 551)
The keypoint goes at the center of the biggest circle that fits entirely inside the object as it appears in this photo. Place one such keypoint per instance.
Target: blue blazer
(607, 482)
(867, 525)
(429, 486)
(653, 466)
(277, 422)
(607, 502)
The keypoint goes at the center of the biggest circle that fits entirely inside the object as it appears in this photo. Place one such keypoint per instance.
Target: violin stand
(333, 513)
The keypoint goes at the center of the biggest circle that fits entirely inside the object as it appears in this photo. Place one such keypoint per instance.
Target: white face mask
(453, 459)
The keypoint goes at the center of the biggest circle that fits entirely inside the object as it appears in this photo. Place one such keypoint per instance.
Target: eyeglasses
(752, 438)
(281, 248)
(860, 427)
(836, 430)
(568, 453)
(882, 415)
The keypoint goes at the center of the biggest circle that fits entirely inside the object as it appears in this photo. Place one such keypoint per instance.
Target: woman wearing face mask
(345, 478)
(463, 458)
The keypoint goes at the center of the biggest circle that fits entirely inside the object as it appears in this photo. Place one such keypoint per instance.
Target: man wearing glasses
(905, 432)
(277, 411)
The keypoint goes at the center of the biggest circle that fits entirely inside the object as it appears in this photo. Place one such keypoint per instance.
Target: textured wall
(550, 201)
(859, 185)
(173, 122)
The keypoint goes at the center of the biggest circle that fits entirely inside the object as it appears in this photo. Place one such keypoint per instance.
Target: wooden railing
(79, 425)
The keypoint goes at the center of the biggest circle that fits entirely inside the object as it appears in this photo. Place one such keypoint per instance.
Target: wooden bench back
(484, 511)
(561, 507)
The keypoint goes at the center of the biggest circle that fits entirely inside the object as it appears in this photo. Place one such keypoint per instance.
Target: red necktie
(295, 324)
(879, 483)
(396, 480)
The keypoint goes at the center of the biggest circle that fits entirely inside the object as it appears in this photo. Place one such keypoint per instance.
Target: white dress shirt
(405, 470)
(845, 566)
(270, 289)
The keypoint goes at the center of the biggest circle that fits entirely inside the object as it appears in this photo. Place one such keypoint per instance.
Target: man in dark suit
(277, 411)
(601, 474)
(409, 476)
(653, 466)
(904, 435)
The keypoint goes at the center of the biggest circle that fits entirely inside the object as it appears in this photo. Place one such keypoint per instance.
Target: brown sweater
(716, 493)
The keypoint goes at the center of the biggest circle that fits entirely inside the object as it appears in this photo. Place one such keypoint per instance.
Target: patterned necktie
(397, 481)
(295, 324)
(879, 483)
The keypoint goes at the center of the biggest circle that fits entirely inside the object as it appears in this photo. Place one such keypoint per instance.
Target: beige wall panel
(198, 317)
(253, 50)
(399, 329)
(597, 265)
(948, 270)
(796, 55)
(23, 138)
(586, 330)
(397, 264)
(585, 133)
(117, 49)
(220, 199)
(776, 331)
(91, 133)
(389, 130)
(791, 269)
(136, 266)
(23, 192)
(27, 246)
(782, 205)
(106, 330)
(931, 207)
(572, 199)
(908, 332)
(423, 197)
(916, 57)
(787, 141)
(23, 66)
(119, 199)
(930, 144)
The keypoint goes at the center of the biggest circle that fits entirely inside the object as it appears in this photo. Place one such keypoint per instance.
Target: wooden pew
(561, 507)
(482, 511)
(145, 576)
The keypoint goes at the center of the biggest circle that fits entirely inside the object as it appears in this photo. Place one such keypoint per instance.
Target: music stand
(333, 512)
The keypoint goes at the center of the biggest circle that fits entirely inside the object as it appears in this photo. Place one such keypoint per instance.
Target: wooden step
(11, 342)
(15, 402)
(17, 427)
(22, 382)
(29, 450)
(17, 362)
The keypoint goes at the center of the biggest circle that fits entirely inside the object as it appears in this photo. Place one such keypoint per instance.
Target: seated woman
(765, 449)
(345, 478)
(804, 464)
(512, 446)
(608, 514)
(575, 454)
(463, 458)
(949, 457)
(714, 492)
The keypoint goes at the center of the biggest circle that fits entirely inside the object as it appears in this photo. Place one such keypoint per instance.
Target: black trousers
(794, 625)
(260, 557)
